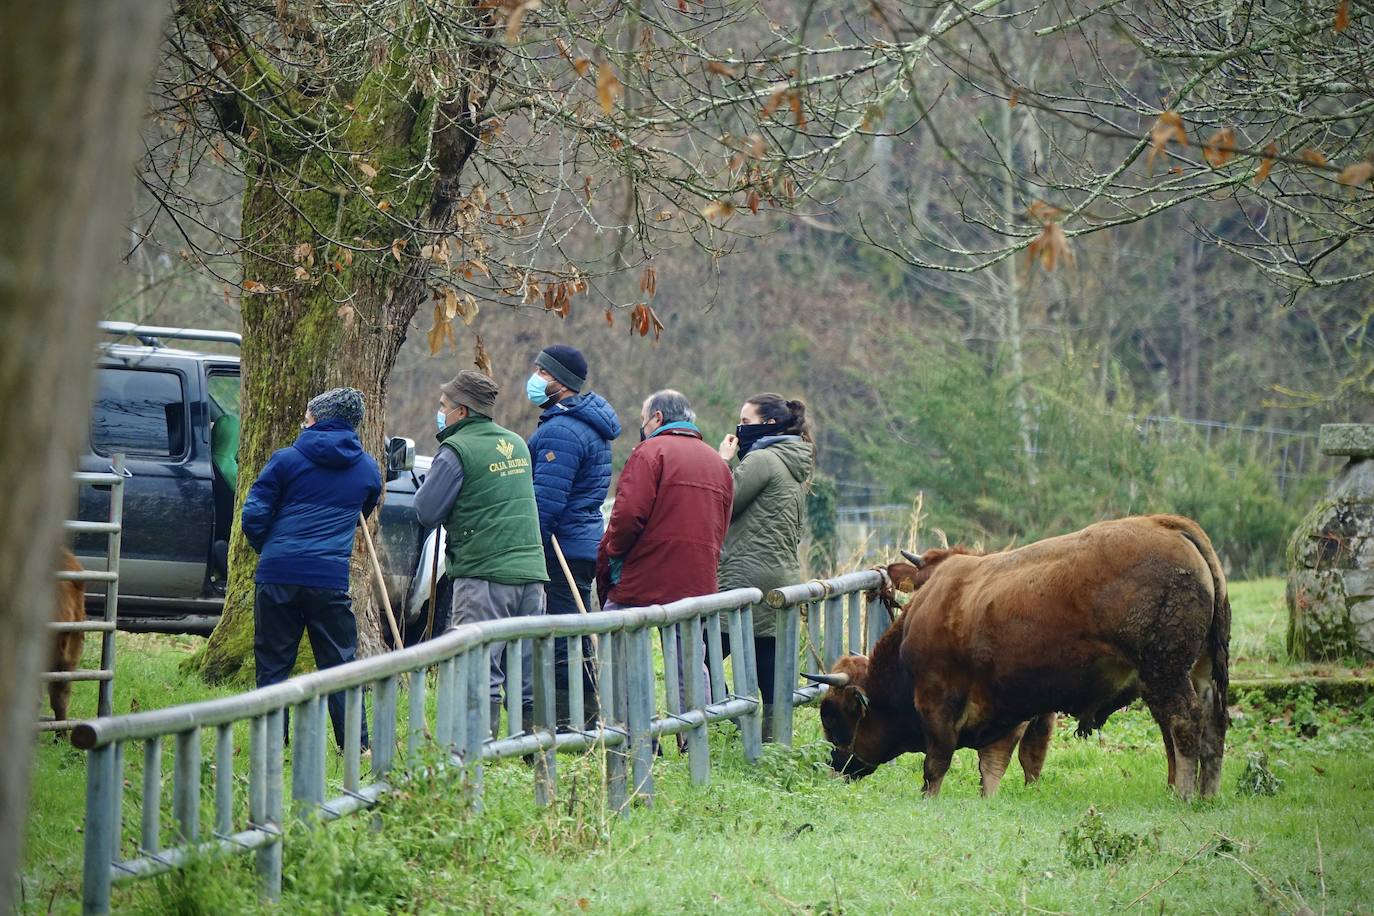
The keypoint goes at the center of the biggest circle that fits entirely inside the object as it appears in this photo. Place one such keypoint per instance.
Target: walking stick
(572, 585)
(398, 642)
(433, 587)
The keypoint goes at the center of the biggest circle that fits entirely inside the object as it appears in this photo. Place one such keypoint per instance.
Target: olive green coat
(767, 520)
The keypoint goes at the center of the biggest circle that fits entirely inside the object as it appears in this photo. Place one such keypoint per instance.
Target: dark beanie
(564, 363)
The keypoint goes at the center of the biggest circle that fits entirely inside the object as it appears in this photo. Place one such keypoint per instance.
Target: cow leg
(1213, 741)
(1177, 710)
(60, 695)
(1035, 745)
(937, 763)
(993, 759)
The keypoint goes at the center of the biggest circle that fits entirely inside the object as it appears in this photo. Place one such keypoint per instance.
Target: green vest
(493, 527)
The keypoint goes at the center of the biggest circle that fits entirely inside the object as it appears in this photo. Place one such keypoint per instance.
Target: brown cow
(67, 647)
(1083, 623)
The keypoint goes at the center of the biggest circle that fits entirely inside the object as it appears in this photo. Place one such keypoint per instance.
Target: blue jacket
(301, 513)
(571, 451)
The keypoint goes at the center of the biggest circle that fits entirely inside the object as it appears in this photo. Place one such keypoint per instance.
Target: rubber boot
(767, 722)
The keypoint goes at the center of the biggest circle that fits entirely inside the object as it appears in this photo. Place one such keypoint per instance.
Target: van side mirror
(400, 456)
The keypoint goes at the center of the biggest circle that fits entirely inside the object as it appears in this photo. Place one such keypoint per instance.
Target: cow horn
(915, 559)
(834, 680)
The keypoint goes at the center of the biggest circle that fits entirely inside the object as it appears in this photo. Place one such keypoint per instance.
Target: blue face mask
(440, 420)
(537, 390)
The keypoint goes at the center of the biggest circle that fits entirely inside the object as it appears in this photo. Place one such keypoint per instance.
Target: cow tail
(1219, 634)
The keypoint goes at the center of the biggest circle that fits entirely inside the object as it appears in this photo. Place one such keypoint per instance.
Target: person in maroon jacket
(672, 509)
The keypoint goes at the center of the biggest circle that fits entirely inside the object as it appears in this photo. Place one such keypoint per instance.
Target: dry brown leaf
(1271, 153)
(482, 360)
(1013, 98)
(253, 286)
(795, 102)
(1314, 156)
(753, 201)
(774, 101)
(682, 6)
(397, 246)
(718, 209)
(302, 273)
(367, 170)
(610, 318)
(719, 69)
(1042, 212)
(1357, 174)
(1050, 247)
(581, 66)
(515, 17)
(347, 314)
(1342, 15)
(608, 87)
(648, 282)
(348, 257)
(1220, 148)
(440, 331)
(639, 319)
(384, 206)
(1168, 128)
(304, 253)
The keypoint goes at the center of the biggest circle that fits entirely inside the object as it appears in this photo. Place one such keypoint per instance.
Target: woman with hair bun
(777, 457)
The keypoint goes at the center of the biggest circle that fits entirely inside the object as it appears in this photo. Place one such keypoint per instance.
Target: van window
(138, 412)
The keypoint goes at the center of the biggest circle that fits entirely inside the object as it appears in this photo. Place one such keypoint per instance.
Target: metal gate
(112, 528)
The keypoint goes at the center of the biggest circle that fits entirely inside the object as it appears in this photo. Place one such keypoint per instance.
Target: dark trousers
(281, 613)
(765, 648)
(559, 600)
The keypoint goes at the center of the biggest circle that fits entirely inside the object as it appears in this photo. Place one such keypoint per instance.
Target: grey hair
(672, 404)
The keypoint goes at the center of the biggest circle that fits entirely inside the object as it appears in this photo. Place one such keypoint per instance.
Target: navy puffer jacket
(571, 451)
(301, 513)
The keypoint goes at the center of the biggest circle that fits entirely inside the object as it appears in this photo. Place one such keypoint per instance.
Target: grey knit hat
(564, 363)
(473, 390)
(342, 404)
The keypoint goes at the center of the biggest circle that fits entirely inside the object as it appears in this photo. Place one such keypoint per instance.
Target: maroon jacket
(672, 509)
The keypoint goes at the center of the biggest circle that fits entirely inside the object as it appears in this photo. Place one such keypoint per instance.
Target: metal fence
(629, 721)
(112, 528)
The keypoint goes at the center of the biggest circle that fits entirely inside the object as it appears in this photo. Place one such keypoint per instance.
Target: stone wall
(1331, 556)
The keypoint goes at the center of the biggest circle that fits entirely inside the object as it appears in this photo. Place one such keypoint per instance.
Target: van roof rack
(149, 335)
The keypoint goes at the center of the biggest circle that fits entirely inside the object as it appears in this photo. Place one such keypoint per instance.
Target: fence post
(384, 719)
(577, 700)
(741, 642)
(753, 723)
(105, 704)
(353, 738)
(462, 689)
(545, 720)
(854, 645)
(303, 756)
(186, 785)
(151, 840)
(515, 673)
(269, 857)
(415, 723)
(876, 613)
(224, 780)
(715, 657)
(478, 663)
(100, 852)
(608, 695)
(443, 711)
(834, 630)
(698, 749)
(785, 673)
(640, 684)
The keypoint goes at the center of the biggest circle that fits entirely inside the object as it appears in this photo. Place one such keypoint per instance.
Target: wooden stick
(397, 641)
(572, 585)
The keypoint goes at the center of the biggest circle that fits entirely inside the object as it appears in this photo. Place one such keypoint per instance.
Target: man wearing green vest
(480, 488)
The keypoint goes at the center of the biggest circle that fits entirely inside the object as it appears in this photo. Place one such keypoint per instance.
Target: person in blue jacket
(571, 452)
(300, 516)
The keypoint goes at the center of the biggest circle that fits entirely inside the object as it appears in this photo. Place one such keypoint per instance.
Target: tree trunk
(72, 81)
(298, 342)
(329, 295)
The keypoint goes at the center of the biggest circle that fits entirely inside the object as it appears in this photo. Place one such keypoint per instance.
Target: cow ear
(855, 700)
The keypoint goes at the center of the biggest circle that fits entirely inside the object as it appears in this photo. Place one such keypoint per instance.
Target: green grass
(787, 837)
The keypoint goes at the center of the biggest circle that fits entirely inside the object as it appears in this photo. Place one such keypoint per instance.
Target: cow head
(909, 576)
(863, 735)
